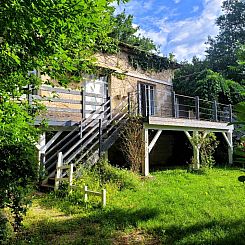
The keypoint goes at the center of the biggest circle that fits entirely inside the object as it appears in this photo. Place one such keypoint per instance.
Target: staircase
(88, 141)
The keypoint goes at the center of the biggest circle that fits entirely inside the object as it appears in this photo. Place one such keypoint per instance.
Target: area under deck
(191, 128)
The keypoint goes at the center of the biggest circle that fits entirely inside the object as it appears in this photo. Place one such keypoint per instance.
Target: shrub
(133, 143)
(103, 175)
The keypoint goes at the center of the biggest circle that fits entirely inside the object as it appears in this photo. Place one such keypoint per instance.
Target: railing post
(58, 171)
(100, 137)
(197, 105)
(215, 111)
(110, 111)
(83, 103)
(230, 113)
(174, 104)
(129, 104)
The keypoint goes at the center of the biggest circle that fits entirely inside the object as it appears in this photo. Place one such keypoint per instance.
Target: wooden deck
(180, 124)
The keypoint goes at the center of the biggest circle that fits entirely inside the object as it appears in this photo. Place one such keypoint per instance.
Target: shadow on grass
(99, 227)
(214, 232)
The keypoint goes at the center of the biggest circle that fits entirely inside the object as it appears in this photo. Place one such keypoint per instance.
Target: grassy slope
(173, 207)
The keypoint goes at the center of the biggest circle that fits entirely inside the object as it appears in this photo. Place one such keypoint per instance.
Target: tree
(54, 37)
(125, 32)
(196, 79)
(222, 51)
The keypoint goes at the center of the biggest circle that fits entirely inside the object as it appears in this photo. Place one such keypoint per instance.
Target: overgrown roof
(146, 60)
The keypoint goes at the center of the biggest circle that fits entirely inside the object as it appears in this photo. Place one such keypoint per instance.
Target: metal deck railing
(181, 106)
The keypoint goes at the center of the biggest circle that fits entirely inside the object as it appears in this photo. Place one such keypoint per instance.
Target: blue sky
(179, 26)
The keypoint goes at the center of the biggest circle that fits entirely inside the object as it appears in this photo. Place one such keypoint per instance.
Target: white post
(145, 166)
(58, 171)
(71, 177)
(196, 150)
(230, 147)
(85, 193)
(104, 197)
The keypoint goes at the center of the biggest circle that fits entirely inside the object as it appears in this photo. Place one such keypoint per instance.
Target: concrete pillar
(145, 167)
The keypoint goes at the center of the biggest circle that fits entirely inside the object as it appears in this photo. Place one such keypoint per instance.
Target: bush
(103, 175)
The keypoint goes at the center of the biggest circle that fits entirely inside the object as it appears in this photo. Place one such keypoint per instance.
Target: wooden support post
(85, 193)
(228, 138)
(196, 152)
(100, 137)
(215, 111)
(103, 197)
(58, 171)
(145, 166)
(197, 105)
(71, 177)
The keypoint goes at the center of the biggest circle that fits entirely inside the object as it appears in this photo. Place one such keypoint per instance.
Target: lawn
(171, 207)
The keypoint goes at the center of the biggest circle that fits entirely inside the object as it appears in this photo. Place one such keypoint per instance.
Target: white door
(95, 93)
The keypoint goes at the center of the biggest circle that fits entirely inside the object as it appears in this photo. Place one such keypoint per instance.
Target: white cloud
(177, 1)
(195, 9)
(187, 37)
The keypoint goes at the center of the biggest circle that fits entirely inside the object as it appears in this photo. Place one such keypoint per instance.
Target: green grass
(172, 207)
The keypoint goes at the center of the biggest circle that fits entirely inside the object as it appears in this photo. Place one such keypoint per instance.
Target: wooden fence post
(58, 171)
(104, 197)
(85, 193)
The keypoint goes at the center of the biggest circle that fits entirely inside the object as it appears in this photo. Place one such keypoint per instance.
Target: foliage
(18, 163)
(125, 32)
(102, 175)
(197, 80)
(174, 207)
(133, 143)
(218, 75)
(53, 37)
(240, 147)
(222, 48)
(209, 145)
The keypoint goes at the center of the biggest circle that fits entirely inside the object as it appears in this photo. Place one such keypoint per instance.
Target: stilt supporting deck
(228, 138)
(145, 167)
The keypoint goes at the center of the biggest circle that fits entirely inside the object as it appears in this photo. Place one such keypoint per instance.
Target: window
(146, 99)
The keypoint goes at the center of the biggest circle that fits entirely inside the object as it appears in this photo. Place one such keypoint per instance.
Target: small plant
(133, 143)
(207, 150)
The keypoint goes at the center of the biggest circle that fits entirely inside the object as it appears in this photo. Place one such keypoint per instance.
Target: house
(85, 118)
